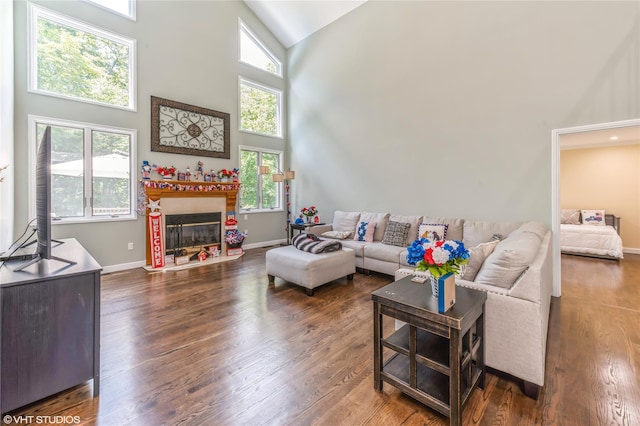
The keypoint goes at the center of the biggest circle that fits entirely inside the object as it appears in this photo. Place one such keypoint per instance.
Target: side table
(300, 228)
(437, 358)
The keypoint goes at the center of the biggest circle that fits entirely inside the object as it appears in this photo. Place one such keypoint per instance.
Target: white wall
(447, 108)
(187, 51)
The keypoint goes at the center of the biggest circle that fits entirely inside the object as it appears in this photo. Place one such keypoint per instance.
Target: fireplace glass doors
(188, 234)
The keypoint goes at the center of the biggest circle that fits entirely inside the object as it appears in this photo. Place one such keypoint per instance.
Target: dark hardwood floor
(216, 345)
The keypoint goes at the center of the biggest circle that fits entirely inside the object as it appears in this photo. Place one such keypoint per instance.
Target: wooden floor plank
(218, 345)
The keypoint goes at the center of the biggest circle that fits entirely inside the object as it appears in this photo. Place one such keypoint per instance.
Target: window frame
(279, 185)
(132, 9)
(38, 12)
(89, 128)
(279, 115)
(244, 28)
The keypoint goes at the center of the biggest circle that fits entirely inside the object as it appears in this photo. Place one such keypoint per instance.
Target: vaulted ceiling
(292, 21)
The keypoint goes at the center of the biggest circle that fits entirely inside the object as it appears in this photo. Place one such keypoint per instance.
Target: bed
(592, 240)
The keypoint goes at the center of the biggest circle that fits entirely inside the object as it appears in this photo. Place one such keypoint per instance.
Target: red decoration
(156, 240)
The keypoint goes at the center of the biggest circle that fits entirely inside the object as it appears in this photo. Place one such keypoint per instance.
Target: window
(260, 109)
(259, 192)
(254, 53)
(71, 59)
(91, 170)
(123, 7)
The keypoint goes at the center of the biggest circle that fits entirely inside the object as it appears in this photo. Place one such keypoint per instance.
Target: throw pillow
(345, 221)
(396, 234)
(570, 217)
(593, 217)
(477, 256)
(364, 231)
(432, 231)
(337, 235)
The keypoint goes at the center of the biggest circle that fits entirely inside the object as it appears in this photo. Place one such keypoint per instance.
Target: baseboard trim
(631, 250)
(141, 263)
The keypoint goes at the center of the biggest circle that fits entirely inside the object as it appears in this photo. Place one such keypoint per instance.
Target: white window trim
(36, 12)
(277, 92)
(245, 28)
(132, 9)
(34, 120)
(280, 185)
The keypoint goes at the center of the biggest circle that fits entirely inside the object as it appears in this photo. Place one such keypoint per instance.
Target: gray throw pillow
(396, 234)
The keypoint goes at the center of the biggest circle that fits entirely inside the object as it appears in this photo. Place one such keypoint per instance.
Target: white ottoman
(310, 270)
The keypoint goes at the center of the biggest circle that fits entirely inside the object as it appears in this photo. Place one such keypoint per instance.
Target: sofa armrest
(319, 229)
(535, 284)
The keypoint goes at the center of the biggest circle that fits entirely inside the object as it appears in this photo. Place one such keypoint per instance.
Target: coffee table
(438, 358)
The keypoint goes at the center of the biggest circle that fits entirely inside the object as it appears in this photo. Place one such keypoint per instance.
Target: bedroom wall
(187, 51)
(447, 108)
(605, 178)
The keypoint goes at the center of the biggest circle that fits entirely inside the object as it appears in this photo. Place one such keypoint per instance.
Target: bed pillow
(432, 231)
(593, 217)
(396, 233)
(570, 216)
(364, 231)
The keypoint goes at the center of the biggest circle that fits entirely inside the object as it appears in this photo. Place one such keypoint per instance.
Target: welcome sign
(156, 240)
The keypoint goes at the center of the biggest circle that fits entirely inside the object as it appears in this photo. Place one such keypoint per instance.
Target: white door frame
(555, 188)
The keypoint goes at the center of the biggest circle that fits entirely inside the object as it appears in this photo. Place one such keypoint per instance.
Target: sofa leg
(271, 279)
(309, 291)
(350, 277)
(531, 390)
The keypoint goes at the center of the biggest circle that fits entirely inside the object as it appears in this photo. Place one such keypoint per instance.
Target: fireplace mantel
(158, 189)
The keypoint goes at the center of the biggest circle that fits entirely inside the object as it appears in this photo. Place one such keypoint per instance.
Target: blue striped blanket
(312, 244)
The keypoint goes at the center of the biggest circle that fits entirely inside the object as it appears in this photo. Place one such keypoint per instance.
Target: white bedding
(590, 240)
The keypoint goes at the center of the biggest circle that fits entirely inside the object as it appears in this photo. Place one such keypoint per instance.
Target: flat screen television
(43, 204)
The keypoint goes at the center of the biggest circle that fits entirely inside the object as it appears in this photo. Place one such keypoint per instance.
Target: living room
(407, 107)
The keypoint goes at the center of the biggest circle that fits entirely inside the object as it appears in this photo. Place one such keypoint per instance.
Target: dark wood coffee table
(437, 358)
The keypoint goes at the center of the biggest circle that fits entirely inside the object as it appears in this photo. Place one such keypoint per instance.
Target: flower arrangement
(233, 236)
(224, 173)
(309, 211)
(438, 257)
(165, 171)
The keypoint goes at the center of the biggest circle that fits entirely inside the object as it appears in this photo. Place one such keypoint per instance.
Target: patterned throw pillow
(593, 217)
(432, 231)
(570, 216)
(364, 231)
(396, 234)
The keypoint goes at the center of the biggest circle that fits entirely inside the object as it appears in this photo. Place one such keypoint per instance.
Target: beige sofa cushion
(477, 256)
(511, 257)
(380, 219)
(345, 221)
(383, 252)
(476, 232)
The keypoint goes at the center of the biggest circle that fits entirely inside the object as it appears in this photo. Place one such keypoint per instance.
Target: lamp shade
(263, 170)
(277, 177)
(289, 174)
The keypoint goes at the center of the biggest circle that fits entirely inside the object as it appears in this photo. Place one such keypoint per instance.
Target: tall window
(123, 7)
(260, 109)
(71, 59)
(92, 169)
(254, 53)
(259, 192)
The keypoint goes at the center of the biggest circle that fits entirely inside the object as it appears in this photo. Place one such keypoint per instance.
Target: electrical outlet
(246, 231)
(246, 217)
(130, 246)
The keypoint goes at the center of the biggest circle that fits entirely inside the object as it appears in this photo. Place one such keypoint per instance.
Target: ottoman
(307, 269)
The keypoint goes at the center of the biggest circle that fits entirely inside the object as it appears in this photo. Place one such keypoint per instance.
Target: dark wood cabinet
(50, 327)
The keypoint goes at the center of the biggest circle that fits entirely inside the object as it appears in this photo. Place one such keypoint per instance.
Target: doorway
(555, 187)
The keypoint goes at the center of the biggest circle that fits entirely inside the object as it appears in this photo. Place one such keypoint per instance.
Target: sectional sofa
(509, 261)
